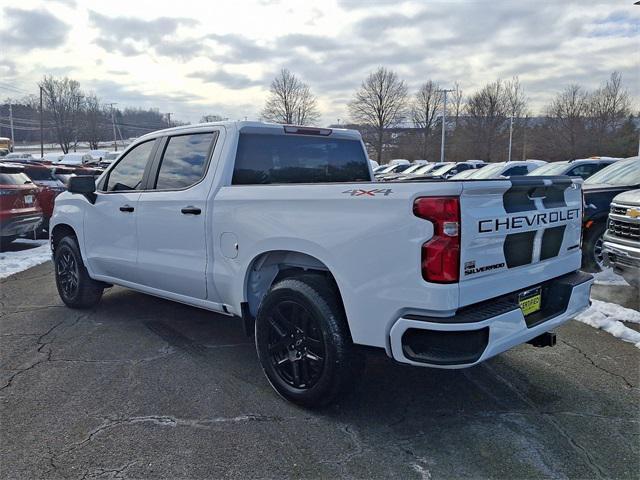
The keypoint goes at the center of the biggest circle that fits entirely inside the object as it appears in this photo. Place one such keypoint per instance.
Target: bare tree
(457, 102)
(63, 99)
(485, 115)
(94, 120)
(567, 118)
(380, 103)
(608, 108)
(290, 101)
(424, 108)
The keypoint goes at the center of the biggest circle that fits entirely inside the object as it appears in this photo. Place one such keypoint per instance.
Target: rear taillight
(441, 254)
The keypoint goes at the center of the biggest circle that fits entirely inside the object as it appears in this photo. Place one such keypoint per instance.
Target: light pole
(41, 128)
(113, 126)
(13, 142)
(444, 118)
(510, 136)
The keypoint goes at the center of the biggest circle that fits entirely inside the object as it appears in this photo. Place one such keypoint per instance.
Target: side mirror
(84, 185)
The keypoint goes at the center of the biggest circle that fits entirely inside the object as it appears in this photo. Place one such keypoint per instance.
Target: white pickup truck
(283, 227)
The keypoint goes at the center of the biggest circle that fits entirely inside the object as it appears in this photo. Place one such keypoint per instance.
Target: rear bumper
(481, 331)
(19, 225)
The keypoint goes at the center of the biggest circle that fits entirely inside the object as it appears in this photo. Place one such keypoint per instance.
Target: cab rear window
(266, 159)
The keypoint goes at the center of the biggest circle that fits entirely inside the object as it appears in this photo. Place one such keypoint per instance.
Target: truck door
(110, 224)
(173, 228)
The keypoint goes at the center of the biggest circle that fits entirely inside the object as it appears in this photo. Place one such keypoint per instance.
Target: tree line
(396, 123)
(71, 115)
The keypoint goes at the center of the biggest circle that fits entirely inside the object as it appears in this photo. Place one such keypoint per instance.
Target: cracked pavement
(144, 388)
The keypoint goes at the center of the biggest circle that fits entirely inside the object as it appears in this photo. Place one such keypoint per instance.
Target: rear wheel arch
(270, 267)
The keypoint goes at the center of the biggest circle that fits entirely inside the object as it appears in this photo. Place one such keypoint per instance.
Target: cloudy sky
(193, 57)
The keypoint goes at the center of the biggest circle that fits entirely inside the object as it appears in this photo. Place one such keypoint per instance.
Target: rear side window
(40, 174)
(184, 161)
(128, 173)
(520, 170)
(14, 179)
(584, 171)
(264, 159)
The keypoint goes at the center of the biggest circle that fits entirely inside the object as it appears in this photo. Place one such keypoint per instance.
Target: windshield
(490, 171)
(623, 172)
(464, 174)
(39, 174)
(111, 156)
(412, 168)
(557, 168)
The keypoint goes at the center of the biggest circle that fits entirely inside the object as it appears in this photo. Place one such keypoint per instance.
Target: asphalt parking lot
(144, 388)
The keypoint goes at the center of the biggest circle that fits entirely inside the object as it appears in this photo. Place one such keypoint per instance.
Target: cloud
(30, 29)
(133, 36)
(233, 81)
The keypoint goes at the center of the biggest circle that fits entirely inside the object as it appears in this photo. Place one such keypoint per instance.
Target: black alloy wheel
(296, 346)
(68, 273)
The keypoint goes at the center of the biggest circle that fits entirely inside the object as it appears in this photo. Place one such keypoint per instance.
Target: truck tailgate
(517, 233)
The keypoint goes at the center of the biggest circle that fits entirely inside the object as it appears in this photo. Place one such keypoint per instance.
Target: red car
(20, 211)
(50, 188)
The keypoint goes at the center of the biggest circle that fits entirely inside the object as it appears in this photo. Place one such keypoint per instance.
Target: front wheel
(593, 255)
(75, 287)
(303, 341)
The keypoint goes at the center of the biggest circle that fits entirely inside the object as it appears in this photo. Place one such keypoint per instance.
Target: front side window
(128, 173)
(264, 159)
(184, 161)
(584, 171)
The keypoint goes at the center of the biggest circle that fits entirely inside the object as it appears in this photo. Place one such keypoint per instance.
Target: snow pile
(607, 277)
(609, 317)
(18, 260)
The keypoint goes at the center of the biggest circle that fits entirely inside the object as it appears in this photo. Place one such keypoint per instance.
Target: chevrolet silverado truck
(622, 239)
(280, 226)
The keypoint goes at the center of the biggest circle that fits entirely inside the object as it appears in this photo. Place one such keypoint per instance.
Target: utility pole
(41, 130)
(13, 142)
(510, 136)
(444, 118)
(113, 125)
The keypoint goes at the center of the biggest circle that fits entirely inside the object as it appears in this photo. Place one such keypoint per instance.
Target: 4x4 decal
(358, 192)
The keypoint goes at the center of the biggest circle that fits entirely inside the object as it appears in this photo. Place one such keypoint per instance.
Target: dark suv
(599, 190)
(583, 167)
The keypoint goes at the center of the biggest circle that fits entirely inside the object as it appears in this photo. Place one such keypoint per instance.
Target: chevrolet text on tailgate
(281, 226)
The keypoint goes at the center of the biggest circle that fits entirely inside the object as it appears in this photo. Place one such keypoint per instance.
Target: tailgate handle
(537, 193)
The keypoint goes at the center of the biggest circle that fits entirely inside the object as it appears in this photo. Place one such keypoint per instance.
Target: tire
(303, 342)
(75, 287)
(592, 260)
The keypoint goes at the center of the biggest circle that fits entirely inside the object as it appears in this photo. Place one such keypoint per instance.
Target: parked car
(504, 169)
(448, 171)
(98, 155)
(20, 211)
(622, 239)
(50, 188)
(18, 156)
(395, 168)
(599, 190)
(461, 281)
(584, 167)
(63, 173)
(420, 171)
(76, 158)
(53, 157)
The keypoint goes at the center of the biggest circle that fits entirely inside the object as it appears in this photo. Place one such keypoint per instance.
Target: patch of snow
(12, 262)
(608, 277)
(609, 317)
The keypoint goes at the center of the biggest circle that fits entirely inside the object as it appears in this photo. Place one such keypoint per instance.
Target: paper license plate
(530, 301)
(28, 199)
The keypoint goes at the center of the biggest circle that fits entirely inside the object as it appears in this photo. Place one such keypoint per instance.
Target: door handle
(191, 210)
(126, 208)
